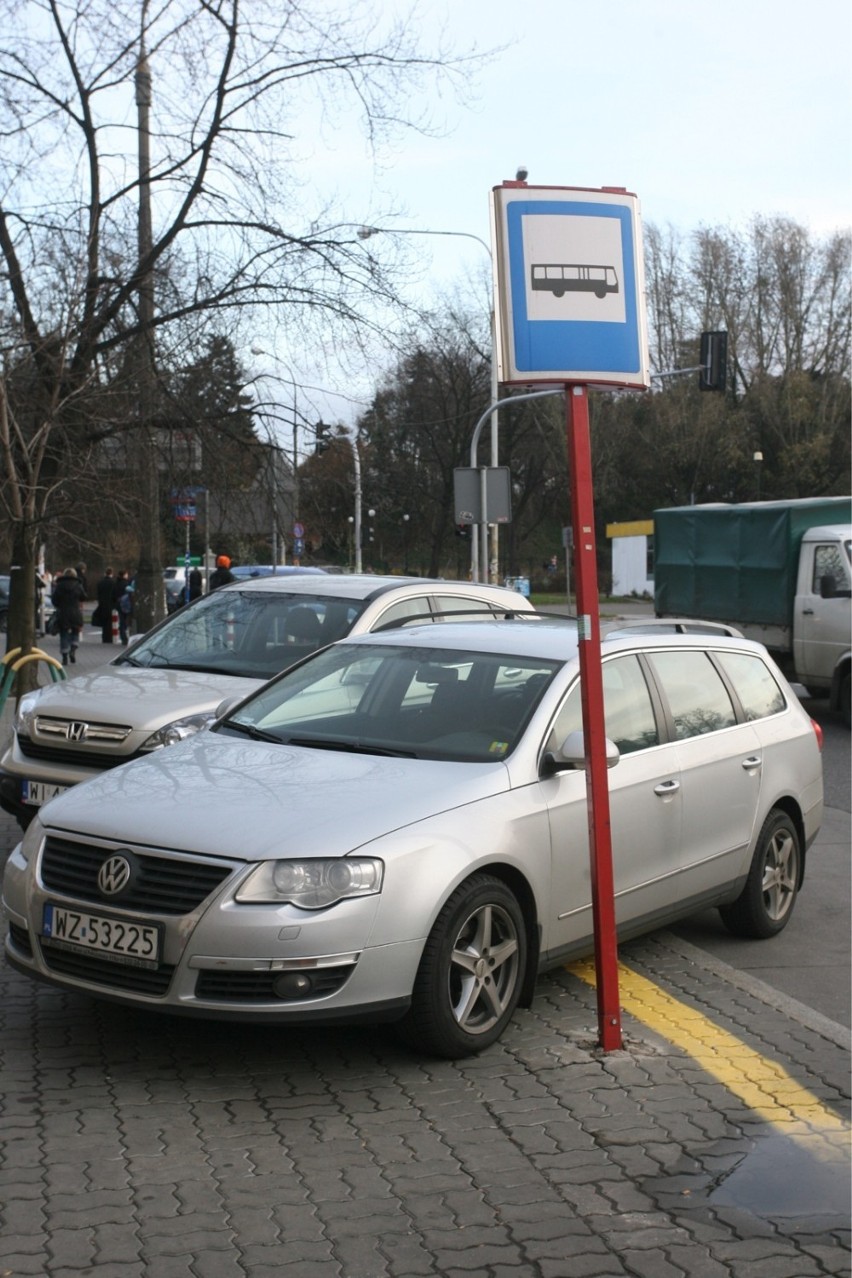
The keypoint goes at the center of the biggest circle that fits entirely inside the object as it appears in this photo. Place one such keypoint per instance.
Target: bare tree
(225, 173)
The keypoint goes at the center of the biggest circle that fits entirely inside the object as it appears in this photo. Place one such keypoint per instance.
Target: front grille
(81, 730)
(81, 757)
(256, 987)
(164, 885)
(101, 971)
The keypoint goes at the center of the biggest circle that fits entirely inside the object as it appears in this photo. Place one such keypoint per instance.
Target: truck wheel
(765, 904)
(845, 694)
(471, 973)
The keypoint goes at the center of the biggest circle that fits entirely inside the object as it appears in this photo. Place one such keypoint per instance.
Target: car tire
(765, 904)
(845, 699)
(471, 972)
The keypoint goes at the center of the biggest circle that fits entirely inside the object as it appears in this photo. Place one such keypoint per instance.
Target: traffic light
(463, 531)
(323, 441)
(713, 358)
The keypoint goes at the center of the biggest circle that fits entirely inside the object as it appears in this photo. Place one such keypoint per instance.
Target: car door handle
(807, 612)
(666, 788)
(752, 762)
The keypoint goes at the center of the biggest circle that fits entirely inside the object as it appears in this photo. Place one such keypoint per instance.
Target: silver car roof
(538, 637)
(368, 586)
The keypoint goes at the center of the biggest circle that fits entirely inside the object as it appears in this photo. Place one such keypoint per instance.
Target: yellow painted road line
(761, 1083)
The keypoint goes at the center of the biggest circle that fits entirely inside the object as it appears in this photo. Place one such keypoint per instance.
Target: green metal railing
(12, 663)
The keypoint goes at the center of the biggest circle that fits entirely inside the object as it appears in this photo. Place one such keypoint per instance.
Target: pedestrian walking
(81, 570)
(124, 602)
(222, 573)
(68, 597)
(107, 598)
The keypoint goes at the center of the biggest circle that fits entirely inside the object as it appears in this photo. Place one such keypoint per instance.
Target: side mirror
(827, 586)
(571, 755)
(226, 706)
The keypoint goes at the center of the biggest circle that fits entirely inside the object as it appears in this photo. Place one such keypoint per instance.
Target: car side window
(628, 711)
(697, 697)
(457, 603)
(629, 714)
(754, 684)
(397, 614)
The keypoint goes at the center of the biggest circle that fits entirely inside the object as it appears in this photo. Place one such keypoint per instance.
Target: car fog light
(292, 985)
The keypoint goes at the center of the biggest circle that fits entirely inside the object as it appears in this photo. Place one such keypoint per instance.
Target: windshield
(245, 633)
(420, 702)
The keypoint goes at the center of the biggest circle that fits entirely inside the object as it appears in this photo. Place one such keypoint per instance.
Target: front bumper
(224, 960)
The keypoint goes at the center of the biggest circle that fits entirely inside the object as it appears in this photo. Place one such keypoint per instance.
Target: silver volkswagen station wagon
(396, 829)
(168, 684)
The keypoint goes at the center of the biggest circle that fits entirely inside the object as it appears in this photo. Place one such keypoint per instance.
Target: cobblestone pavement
(137, 1146)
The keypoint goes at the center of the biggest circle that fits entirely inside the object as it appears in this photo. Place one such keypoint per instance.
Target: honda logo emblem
(77, 731)
(114, 875)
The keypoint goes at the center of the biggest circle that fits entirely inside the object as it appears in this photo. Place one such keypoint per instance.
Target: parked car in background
(396, 829)
(168, 683)
(245, 571)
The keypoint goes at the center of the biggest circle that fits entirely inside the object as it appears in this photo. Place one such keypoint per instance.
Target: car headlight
(33, 836)
(26, 710)
(172, 733)
(313, 885)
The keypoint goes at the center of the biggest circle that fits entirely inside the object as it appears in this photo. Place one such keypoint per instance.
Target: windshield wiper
(350, 747)
(249, 730)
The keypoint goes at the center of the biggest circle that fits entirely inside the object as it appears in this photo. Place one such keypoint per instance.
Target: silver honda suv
(168, 684)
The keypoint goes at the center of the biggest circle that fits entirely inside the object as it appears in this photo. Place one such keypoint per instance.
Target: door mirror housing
(571, 755)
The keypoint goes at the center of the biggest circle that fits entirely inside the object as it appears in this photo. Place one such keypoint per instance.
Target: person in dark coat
(68, 597)
(124, 604)
(222, 574)
(107, 600)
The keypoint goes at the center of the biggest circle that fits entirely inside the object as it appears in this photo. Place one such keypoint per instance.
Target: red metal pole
(591, 681)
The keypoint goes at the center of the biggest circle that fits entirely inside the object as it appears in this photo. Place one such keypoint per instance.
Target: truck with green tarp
(777, 570)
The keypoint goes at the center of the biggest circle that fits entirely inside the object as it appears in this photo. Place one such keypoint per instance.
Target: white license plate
(38, 792)
(137, 944)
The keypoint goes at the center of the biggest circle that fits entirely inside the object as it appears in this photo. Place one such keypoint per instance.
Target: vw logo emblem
(77, 731)
(114, 875)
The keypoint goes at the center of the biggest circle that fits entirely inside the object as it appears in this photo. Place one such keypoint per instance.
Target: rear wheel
(845, 699)
(471, 972)
(765, 904)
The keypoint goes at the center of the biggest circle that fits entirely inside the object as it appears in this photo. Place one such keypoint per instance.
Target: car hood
(248, 800)
(146, 698)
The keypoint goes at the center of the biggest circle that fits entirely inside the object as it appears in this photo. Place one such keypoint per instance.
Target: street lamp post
(364, 233)
(406, 524)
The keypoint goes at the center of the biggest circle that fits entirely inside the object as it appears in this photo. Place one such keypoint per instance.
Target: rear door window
(696, 693)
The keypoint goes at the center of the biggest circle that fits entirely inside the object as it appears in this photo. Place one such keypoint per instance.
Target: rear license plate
(38, 792)
(135, 944)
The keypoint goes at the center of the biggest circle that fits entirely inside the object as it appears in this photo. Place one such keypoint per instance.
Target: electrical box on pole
(468, 494)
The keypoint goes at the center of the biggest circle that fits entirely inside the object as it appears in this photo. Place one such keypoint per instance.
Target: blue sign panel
(570, 286)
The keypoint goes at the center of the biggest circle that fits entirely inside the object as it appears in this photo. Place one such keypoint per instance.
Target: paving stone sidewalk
(136, 1146)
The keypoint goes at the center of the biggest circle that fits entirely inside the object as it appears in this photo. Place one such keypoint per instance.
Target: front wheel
(765, 904)
(471, 972)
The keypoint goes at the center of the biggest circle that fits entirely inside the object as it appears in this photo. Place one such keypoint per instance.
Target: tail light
(817, 733)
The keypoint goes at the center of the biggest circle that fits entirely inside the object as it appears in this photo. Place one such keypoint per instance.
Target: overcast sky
(710, 113)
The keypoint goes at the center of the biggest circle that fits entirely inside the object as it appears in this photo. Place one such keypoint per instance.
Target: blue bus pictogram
(559, 279)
